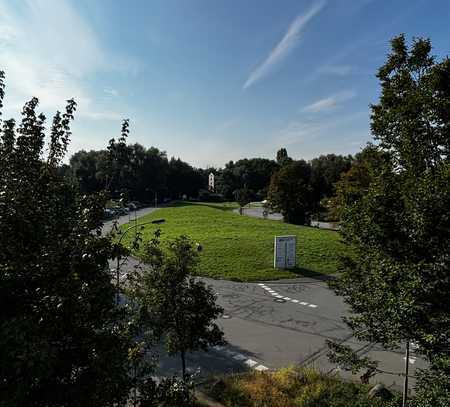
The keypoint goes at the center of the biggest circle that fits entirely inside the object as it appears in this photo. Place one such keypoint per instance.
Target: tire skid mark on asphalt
(253, 364)
(275, 294)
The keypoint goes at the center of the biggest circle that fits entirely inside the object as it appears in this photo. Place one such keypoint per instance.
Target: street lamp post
(154, 222)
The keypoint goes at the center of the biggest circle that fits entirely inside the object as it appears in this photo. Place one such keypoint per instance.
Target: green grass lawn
(241, 248)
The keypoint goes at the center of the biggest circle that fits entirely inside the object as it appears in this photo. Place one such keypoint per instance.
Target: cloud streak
(330, 102)
(49, 51)
(285, 46)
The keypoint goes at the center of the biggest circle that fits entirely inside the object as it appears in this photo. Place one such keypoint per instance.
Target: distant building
(211, 182)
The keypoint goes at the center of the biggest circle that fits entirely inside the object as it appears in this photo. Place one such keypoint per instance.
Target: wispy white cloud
(111, 92)
(339, 70)
(330, 102)
(303, 131)
(285, 46)
(48, 50)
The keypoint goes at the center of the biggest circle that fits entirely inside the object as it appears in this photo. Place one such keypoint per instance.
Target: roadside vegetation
(291, 387)
(241, 248)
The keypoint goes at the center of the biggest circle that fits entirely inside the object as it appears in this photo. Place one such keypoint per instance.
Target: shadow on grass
(302, 272)
(225, 206)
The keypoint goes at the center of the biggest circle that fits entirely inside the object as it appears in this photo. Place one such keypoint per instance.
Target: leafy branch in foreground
(396, 279)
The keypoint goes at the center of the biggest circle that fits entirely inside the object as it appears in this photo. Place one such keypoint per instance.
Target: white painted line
(271, 291)
(274, 293)
(287, 298)
(312, 305)
(239, 356)
(279, 296)
(294, 301)
(303, 303)
(412, 359)
(250, 363)
(261, 284)
(261, 368)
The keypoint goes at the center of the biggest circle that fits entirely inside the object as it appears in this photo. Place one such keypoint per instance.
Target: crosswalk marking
(279, 297)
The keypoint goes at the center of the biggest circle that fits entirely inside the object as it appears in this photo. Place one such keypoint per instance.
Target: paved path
(257, 212)
(107, 226)
(278, 323)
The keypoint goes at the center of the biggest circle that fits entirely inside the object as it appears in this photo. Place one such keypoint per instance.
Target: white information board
(285, 252)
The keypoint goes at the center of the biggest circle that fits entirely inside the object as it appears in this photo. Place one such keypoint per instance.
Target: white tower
(211, 182)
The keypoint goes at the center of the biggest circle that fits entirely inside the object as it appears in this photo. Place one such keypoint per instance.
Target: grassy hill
(241, 248)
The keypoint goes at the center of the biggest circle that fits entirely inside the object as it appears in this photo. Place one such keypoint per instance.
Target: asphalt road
(278, 323)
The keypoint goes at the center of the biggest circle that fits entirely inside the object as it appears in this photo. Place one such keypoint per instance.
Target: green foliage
(282, 157)
(243, 196)
(175, 305)
(62, 339)
(397, 281)
(290, 192)
(228, 238)
(326, 170)
(432, 389)
(293, 387)
(355, 182)
(253, 174)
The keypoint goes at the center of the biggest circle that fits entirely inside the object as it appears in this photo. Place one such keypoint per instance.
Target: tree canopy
(397, 280)
(62, 338)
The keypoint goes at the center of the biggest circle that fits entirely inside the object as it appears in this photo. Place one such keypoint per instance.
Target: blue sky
(211, 81)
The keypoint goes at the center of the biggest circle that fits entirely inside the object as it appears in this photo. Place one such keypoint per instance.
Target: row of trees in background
(295, 188)
(144, 173)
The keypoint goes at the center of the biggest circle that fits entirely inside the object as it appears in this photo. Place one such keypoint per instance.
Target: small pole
(405, 383)
(118, 280)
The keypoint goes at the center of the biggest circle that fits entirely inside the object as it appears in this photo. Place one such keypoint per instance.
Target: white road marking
(250, 363)
(261, 368)
(277, 295)
(412, 359)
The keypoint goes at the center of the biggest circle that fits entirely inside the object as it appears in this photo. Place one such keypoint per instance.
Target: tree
(290, 192)
(282, 157)
(253, 174)
(175, 305)
(396, 280)
(355, 182)
(243, 196)
(183, 179)
(63, 341)
(326, 170)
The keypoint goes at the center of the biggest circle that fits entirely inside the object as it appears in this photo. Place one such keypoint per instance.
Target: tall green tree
(62, 339)
(176, 306)
(397, 280)
(282, 157)
(355, 182)
(290, 192)
(326, 170)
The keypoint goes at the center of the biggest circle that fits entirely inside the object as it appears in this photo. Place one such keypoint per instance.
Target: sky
(211, 81)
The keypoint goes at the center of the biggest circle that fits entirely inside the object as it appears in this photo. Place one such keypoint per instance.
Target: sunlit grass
(240, 247)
